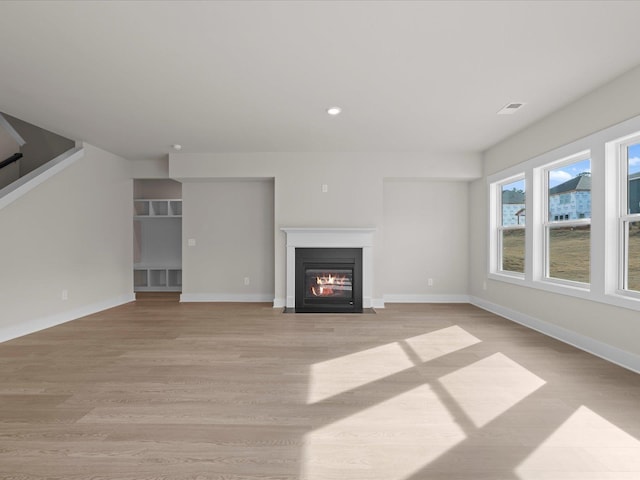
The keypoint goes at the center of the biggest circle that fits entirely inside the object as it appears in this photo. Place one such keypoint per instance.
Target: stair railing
(13, 158)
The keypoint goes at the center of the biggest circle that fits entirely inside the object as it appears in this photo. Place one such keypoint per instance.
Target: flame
(324, 284)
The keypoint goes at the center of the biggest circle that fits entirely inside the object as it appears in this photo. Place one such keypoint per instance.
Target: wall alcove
(157, 231)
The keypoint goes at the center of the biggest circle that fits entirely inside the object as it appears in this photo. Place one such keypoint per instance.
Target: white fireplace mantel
(330, 238)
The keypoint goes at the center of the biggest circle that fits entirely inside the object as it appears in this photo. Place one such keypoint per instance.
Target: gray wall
(157, 189)
(604, 107)
(425, 237)
(355, 198)
(73, 232)
(232, 223)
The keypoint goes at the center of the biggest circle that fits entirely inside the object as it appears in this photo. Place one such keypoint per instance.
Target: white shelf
(143, 208)
(175, 208)
(157, 278)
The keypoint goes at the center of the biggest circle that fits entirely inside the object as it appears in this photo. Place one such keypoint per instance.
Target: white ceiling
(136, 77)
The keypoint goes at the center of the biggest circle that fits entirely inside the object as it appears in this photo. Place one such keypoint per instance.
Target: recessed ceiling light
(334, 111)
(511, 108)
(177, 147)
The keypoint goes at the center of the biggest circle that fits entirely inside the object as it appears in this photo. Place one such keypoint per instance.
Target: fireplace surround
(330, 238)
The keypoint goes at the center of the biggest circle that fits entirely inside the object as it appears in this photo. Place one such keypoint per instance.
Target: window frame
(548, 225)
(624, 218)
(608, 192)
(500, 228)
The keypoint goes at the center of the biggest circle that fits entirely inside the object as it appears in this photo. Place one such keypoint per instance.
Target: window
(568, 250)
(511, 229)
(567, 228)
(629, 219)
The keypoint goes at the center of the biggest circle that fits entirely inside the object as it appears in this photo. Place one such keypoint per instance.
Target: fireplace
(333, 240)
(328, 280)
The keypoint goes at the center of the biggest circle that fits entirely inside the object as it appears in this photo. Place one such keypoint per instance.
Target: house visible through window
(630, 218)
(561, 254)
(568, 229)
(512, 227)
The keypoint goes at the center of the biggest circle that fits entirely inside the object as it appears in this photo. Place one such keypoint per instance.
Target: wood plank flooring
(161, 390)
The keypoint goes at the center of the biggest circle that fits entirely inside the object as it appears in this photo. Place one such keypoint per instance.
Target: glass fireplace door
(328, 280)
(328, 283)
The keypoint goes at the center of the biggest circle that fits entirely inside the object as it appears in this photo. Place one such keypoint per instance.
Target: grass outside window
(633, 256)
(513, 250)
(569, 253)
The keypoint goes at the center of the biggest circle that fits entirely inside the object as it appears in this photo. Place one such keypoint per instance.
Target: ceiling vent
(511, 108)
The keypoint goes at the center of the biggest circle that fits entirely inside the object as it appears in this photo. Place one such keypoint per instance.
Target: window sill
(546, 285)
(618, 299)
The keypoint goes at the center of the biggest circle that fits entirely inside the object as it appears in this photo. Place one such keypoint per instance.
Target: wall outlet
(191, 242)
(65, 294)
(430, 282)
(246, 280)
(325, 188)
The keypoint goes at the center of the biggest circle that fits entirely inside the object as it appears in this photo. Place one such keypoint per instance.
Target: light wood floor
(160, 390)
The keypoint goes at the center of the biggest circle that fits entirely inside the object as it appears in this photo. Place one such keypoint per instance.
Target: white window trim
(606, 235)
(618, 150)
(547, 225)
(499, 228)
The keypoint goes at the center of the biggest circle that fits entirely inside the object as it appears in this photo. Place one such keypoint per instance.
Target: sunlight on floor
(388, 441)
(342, 374)
(585, 446)
(441, 342)
(483, 401)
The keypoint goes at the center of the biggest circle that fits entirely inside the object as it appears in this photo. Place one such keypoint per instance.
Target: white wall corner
(600, 349)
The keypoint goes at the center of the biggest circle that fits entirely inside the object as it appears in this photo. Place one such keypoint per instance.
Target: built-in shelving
(157, 208)
(154, 279)
(157, 234)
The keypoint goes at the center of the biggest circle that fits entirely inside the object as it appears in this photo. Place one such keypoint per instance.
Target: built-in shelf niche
(157, 208)
(157, 218)
(154, 279)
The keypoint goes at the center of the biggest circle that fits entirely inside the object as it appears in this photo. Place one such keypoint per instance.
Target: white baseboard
(600, 349)
(380, 302)
(418, 298)
(226, 297)
(30, 326)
